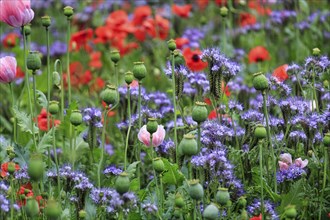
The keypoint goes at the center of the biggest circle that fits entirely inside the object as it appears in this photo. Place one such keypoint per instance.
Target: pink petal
(283, 166)
(144, 135)
(286, 157)
(8, 66)
(158, 136)
(301, 163)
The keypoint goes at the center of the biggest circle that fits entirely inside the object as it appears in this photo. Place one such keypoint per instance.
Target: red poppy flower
(140, 14)
(221, 2)
(181, 42)
(42, 120)
(258, 54)
(280, 73)
(10, 40)
(259, 6)
(208, 101)
(256, 217)
(202, 4)
(95, 60)
(25, 190)
(4, 168)
(181, 11)
(193, 60)
(79, 40)
(246, 19)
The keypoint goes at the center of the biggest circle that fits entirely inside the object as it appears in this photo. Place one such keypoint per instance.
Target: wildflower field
(164, 109)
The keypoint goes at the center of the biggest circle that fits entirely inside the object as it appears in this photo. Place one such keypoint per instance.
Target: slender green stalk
(174, 105)
(314, 93)
(129, 123)
(261, 181)
(269, 139)
(56, 160)
(68, 57)
(74, 145)
(103, 146)
(48, 75)
(138, 150)
(199, 143)
(12, 198)
(325, 165)
(27, 83)
(13, 104)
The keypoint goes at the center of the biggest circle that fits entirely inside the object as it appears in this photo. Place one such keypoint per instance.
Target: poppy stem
(175, 110)
(13, 103)
(262, 207)
(325, 165)
(103, 146)
(56, 160)
(68, 56)
(48, 76)
(129, 124)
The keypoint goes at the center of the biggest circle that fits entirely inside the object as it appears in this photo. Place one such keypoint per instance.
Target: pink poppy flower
(286, 158)
(157, 137)
(7, 69)
(283, 166)
(301, 163)
(16, 13)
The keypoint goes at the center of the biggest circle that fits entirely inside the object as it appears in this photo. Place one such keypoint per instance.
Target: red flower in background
(79, 77)
(4, 168)
(25, 190)
(256, 217)
(258, 54)
(193, 60)
(10, 40)
(260, 7)
(42, 120)
(181, 10)
(79, 40)
(246, 19)
(202, 4)
(95, 60)
(181, 42)
(140, 14)
(280, 73)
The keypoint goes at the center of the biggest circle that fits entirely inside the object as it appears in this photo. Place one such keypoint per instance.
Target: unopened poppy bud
(179, 201)
(53, 209)
(46, 21)
(82, 214)
(10, 152)
(177, 212)
(316, 51)
(223, 11)
(36, 168)
(291, 212)
(171, 45)
(244, 215)
(188, 145)
(199, 112)
(195, 189)
(139, 70)
(32, 208)
(152, 125)
(27, 30)
(11, 167)
(33, 61)
(222, 196)
(53, 107)
(260, 132)
(129, 77)
(326, 83)
(115, 56)
(76, 117)
(122, 183)
(310, 153)
(242, 202)
(260, 82)
(110, 95)
(211, 212)
(178, 58)
(56, 78)
(158, 165)
(326, 140)
(68, 11)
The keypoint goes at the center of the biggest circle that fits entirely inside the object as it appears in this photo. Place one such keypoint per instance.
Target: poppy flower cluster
(42, 121)
(24, 192)
(5, 166)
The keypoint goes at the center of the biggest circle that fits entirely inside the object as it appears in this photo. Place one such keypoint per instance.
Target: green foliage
(131, 169)
(294, 196)
(24, 121)
(41, 99)
(172, 174)
(45, 142)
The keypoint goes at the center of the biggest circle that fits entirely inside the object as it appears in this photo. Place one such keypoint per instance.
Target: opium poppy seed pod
(195, 190)
(31, 208)
(46, 21)
(171, 45)
(122, 183)
(33, 61)
(188, 145)
(326, 139)
(53, 107)
(199, 112)
(260, 132)
(139, 70)
(211, 212)
(36, 168)
(129, 77)
(115, 56)
(68, 11)
(260, 82)
(222, 196)
(76, 117)
(110, 94)
(152, 125)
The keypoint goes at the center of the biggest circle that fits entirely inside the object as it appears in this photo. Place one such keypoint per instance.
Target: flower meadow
(205, 109)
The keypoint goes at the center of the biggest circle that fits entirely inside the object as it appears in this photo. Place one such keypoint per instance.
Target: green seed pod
(122, 183)
(177, 212)
(242, 202)
(53, 107)
(244, 215)
(32, 208)
(316, 51)
(152, 125)
(110, 95)
(325, 83)
(179, 201)
(199, 112)
(76, 117)
(115, 56)
(178, 58)
(260, 82)
(224, 11)
(27, 30)
(139, 70)
(222, 196)
(195, 190)
(158, 165)
(326, 140)
(33, 61)
(291, 212)
(211, 212)
(171, 45)
(56, 79)
(260, 132)
(129, 77)
(53, 210)
(36, 168)
(11, 167)
(10, 152)
(188, 145)
(82, 214)
(46, 21)
(68, 11)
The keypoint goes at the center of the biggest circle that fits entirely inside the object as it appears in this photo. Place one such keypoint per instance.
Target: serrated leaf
(41, 99)
(293, 197)
(24, 121)
(131, 169)
(172, 175)
(45, 142)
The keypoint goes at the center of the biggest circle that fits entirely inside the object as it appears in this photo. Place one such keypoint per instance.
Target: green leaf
(45, 142)
(24, 121)
(131, 169)
(172, 174)
(41, 99)
(134, 185)
(294, 197)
